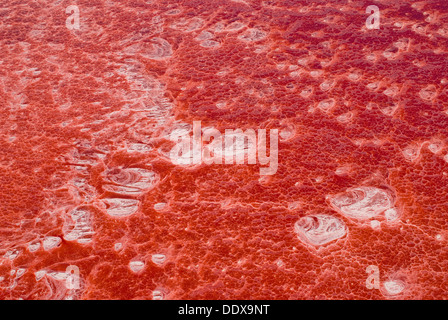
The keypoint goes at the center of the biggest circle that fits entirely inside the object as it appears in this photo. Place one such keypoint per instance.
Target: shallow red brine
(94, 207)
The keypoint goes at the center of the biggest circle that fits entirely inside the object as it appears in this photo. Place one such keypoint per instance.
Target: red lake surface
(355, 206)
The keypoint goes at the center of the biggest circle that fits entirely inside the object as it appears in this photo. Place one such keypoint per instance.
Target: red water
(86, 181)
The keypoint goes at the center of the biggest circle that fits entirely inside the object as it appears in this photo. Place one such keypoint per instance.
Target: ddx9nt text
(232, 309)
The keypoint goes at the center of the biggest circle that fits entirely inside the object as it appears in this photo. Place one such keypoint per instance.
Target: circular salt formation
(20, 272)
(436, 146)
(354, 76)
(136, 266)
(394, 287)
(375, 224)
(319, 229)
(161, 49)
(391, 214)
(118, 207)
(411, 152)
(294, 205)
(316, 73)
(51, 242)
(287, 133)
(209, 43)
(39, 274)
(428, 93)
(345, 117)
(129, 181)
(326, 85)
(158, 295)
(80, 228)
(327, 104)
(306, 92)
(158, 258)
(252, 35)
(362, 203)
(12, 254)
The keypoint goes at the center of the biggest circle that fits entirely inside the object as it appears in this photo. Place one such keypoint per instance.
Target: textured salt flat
(86, 180)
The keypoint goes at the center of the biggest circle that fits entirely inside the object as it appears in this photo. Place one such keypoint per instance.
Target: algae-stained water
(355, 120)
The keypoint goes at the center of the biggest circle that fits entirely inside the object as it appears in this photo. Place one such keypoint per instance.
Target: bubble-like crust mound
(393, 288)
(319, 229)
(118, 207)
(129, 181)
(363, 202)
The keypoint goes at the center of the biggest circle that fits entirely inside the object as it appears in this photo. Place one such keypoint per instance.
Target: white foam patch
(316, 73)
(117, 207)
(235, 26)
(375, 224)
(286, 133)
(136, 266)
(411, 152)
(204, 35)
(158, 258)
(435, 146)
(392, 91)
(305, 93)
(159, 206)
(158, 295)
(252, 35)
(188, 25)
(129, 181)
(294, 205)
(373, 85)
(280, 263)
(12, 254)
(159, 49)
(388, 110)
(345, 117)
(51, 242)
(354, 76)
(342, 171)
(183, 129)
(319, 229)
(428, 93)
(362, 203)
(20, 272)
(139, 147)
(221, 104)
(391, 214)
(445, 157)
(326, 85)
(394, 287)
(58, 275)
(209, 44)
(39, 274)
(326, 105)
(79, 226)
